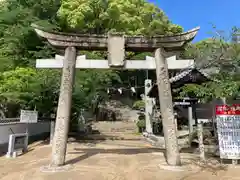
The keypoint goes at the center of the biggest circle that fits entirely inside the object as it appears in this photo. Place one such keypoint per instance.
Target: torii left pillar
(64, 108)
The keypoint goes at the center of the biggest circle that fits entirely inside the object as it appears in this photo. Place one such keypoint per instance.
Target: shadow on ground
(211, 165)
(88, 152)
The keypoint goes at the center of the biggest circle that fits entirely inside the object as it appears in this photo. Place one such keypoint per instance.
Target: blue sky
(224, 14)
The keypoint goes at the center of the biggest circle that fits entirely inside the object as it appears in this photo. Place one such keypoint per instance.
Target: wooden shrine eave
(189, 76)
(132, 43)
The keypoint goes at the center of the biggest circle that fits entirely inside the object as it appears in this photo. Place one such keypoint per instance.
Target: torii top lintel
(132, 43)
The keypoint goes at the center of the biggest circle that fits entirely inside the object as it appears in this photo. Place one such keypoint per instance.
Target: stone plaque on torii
(116, 45)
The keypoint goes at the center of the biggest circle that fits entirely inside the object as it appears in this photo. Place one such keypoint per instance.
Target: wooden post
(148, 107)
(190, 119)
(200, 141)
(194, 107)
(52, 129)
(166, 106)
(64, 108)
(214, 119)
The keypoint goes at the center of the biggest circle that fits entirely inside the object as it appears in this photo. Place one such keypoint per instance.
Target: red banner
(228, 109)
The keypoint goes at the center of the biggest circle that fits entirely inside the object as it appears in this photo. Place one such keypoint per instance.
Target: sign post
(27, 116)
(228, 130)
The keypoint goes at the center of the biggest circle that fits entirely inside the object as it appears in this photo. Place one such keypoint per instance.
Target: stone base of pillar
(51, 169)
(12, 155)
(173, 168)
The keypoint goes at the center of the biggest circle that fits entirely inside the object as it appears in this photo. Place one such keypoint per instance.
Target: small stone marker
(17, 142)
(200, 140)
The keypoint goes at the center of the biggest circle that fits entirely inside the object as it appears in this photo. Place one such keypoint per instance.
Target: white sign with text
(29, 116)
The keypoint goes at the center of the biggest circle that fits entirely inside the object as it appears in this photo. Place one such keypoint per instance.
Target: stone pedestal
(14, 147)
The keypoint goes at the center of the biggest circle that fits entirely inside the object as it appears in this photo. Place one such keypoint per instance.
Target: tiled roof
(204, 72)
(207, 72)
(180, 76)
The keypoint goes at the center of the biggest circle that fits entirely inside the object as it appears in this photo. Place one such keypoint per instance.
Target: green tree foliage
(101, 16)
(132, 17)
(218, 54)
(29, 88)
(24, 87)
(19, 45)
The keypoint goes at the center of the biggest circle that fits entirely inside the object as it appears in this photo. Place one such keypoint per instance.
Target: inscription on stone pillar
(116, 50)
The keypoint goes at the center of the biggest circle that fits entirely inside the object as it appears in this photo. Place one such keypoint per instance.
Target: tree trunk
(64, 108)
(166, 106)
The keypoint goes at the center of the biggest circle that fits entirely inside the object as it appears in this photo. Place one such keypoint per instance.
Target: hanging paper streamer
(133, 90)
(120, 90)
(154, 101)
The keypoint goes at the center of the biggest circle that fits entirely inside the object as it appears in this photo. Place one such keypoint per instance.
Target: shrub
(139, 105)
(141, 123)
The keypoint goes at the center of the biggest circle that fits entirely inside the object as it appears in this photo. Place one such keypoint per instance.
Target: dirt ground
(123, 156)
(110, 160)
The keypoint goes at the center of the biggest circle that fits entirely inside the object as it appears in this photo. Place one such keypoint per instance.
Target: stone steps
(118, 126)
(128, 137)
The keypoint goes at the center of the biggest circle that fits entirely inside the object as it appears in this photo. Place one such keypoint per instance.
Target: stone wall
(36, 130)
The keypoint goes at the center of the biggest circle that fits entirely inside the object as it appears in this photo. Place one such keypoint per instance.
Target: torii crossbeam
(83, 63)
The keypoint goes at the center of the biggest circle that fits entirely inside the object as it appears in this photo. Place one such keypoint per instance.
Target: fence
(205, 112)
(9, 120)
(14, 120)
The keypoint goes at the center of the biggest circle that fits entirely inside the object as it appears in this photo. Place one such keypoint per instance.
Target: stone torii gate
(116, 45)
